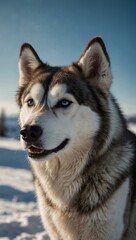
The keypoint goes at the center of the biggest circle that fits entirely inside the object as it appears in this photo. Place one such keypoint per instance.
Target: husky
(82, 156)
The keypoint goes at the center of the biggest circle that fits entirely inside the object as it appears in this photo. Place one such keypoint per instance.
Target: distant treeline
(2, 123)
(9, 126)
(131, 119)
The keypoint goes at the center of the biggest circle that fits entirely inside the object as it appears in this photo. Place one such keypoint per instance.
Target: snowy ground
(19, 216)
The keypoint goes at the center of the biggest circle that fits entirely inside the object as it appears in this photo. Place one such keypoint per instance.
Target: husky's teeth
(35, 150)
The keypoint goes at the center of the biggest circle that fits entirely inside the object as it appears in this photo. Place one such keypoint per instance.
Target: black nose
(31, 133)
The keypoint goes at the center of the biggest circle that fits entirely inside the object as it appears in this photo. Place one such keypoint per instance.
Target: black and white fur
(81, 154)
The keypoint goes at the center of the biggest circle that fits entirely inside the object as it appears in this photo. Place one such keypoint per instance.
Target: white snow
(19, 215)
(132, 127)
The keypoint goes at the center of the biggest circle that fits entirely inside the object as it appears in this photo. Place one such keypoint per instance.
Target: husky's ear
(95, 64)
(28, 63)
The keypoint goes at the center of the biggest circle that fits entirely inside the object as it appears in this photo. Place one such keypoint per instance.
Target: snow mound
(19, 215)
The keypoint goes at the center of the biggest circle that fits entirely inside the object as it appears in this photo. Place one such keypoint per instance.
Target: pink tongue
(34, 150)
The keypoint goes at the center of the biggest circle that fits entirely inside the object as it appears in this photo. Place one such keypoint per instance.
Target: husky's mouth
(35, 152)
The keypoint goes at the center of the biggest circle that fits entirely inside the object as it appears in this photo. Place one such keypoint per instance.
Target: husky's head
(63, 108)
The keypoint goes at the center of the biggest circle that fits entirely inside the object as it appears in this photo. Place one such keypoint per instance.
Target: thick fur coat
(82, 156)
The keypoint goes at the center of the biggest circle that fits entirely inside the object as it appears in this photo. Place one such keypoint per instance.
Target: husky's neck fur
(116, 125)
(60, 175)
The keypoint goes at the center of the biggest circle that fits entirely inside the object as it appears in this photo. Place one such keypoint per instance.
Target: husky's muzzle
(31, 135)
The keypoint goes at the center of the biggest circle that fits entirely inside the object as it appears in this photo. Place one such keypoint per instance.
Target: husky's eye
(63, 103)
(30, 102)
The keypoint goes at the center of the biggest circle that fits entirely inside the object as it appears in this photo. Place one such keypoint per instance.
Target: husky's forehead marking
(55, 93)
(74, 85)
(37, 92)
(58, 90)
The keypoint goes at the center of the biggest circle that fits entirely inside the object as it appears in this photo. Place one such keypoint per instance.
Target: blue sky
(59, 31)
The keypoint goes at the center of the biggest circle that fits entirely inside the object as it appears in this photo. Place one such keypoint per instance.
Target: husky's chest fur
(60, 210)
(86, 205)
(81, 154)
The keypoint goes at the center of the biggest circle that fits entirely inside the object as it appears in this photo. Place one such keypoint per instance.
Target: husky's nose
(31, 133)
